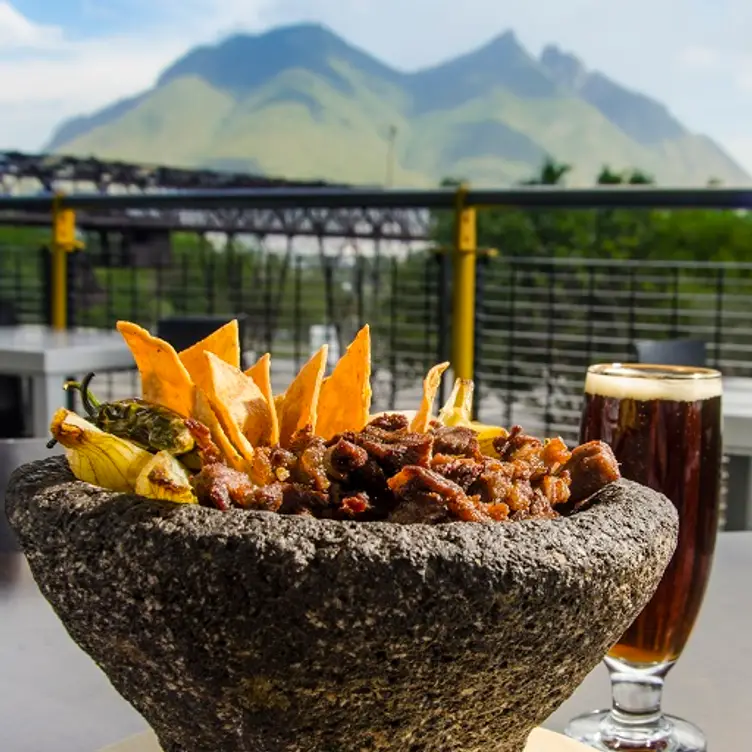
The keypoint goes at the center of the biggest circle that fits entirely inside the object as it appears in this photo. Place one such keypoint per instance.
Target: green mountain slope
(299, 102)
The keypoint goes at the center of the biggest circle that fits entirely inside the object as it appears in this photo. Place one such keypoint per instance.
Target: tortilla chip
(261, 374)
(430, 387)
(164, 379)
(345, 400)
(224, 343)
(240, 406)
(204, 413)
(299, 405)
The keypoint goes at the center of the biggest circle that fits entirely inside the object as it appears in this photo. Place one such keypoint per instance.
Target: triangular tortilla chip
(262, 376)
(430, 386)
(300, 403)
(224, 343)
(204, 413)
(164, 379)
(239, 404)
(345, 400)
(279, 400)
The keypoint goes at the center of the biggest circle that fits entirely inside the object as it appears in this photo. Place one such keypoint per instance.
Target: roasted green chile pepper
(150, 426)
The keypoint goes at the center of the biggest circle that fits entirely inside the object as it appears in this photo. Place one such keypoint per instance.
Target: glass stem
(636, 719)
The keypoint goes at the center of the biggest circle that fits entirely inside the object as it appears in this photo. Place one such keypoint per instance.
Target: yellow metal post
(63, 242)
(464, 257)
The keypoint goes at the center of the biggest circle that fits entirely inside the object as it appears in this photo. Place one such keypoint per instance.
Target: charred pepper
(152, 427)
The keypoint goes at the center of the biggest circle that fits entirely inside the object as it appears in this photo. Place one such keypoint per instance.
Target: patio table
(48, 356)
(53, 697)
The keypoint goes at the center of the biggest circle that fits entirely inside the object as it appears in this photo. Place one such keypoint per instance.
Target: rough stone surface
(252, 631)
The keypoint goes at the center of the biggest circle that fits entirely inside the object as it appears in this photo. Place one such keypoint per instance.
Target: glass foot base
(593, 729)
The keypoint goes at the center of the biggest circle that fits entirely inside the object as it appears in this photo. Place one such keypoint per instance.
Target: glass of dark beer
(664, 426)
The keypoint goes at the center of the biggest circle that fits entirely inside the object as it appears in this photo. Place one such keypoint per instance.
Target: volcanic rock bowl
(248, 631)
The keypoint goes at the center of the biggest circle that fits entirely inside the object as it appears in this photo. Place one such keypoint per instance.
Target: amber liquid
(674, 448)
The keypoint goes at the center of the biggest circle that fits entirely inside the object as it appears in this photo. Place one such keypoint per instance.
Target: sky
(60, 58)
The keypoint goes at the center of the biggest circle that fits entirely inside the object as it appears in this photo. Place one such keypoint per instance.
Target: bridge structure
(24, 174)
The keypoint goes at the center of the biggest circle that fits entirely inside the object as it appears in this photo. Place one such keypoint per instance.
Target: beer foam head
(639, 382)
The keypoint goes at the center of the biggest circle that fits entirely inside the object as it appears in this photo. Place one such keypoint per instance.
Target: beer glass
(664, 426)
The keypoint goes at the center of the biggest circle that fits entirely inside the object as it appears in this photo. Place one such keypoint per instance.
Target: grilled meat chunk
(387, 472)
(591, 467)
(424, 488)
(219, 486)
(456, 440)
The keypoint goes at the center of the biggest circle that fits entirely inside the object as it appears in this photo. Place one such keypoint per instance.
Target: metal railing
(543, 321)
(297, 259)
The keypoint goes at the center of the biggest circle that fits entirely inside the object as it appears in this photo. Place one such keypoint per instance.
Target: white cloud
(18, 33)
(741, 71)
(38, 93)
(66, 78)
(84, 74)
(744, 82)
(698, 57)
(732, 65)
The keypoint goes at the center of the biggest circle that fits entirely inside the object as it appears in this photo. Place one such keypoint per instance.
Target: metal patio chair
(671, 352)
(183, 331)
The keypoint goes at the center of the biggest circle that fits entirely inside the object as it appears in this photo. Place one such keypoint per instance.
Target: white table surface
(540, 740)
(48, 356)
(34, 350)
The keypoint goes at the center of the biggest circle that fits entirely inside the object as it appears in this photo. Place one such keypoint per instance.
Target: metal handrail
(528, 197)
(625, 263)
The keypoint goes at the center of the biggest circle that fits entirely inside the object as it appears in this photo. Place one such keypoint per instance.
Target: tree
(551, 173)
(537, 315)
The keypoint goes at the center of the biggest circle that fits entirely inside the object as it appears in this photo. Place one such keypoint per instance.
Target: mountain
(300, 102)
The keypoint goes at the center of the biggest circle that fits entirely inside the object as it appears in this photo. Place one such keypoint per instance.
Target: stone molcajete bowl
(253, 631)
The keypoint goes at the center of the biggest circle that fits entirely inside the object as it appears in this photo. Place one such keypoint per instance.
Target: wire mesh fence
(539, 321)
(294, 293)
(23, 270)
(543, 321)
